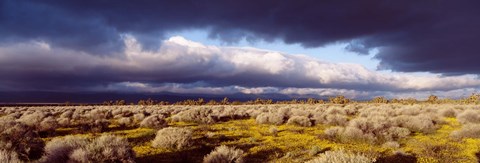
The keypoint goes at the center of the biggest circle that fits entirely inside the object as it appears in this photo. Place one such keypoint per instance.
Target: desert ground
(355, 132)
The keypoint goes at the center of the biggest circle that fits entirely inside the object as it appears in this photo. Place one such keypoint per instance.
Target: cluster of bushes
(106, 148)
(470, 119)
(19, 141)
(173, 138)
(382, 125)
(472, 99)
(91, 118)
(22, 129)
(224, 154)
(304, 116)
(209, 115)
(177, 138)
(341, 157)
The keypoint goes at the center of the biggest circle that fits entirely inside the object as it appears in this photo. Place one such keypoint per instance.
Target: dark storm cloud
(36, 65)
(431, 35)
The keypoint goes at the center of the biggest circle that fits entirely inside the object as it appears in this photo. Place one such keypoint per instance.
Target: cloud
(411, 36)
(183, 66)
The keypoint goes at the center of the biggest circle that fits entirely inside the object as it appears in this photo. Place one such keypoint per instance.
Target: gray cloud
(437, 36)
(183, 66)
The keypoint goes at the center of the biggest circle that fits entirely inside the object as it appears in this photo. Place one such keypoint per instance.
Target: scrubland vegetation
(317, 132)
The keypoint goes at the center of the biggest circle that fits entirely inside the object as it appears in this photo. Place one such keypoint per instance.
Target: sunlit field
(242, 133)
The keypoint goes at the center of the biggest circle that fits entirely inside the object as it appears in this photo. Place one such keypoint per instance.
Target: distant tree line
(432, 99)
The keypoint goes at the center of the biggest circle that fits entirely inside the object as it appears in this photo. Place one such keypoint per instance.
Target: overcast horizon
(359, 49)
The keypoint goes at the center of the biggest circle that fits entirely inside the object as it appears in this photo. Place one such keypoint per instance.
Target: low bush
(391, 144)
(64, 122)
(48, 124)
(273, 130)
(22, 139)
(173, 138)
(270, 118)
(420, 123)
(341, 157)
(9, 156)
(469, 116)
(139, 117)
(60, 149)
(299, 121)
(198, 115)
(92, 125)
(67, 114)
(330, 119)
(32, 119)
(314, 150)
(371, 129)
(125, 122)
(467, 131)
(154, 122)
(448, 112)
(106, 148)
(224, 154)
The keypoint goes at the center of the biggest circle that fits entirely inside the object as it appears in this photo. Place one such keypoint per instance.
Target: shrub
(22, 139)
(98, 125)
(125, 122)
(334, 132)
(396, 133)
(355, 134)
(99, 114)
(421, 123)
(48, 124)
(467, 131)
(379, 100)
(448, 112)
(330, 119)
(469, 116)
(299, 121)
(301, 112)
(339, 100)
(340, 120)
(371, 129)
(273, 130)
(270, 118)
(60, 149)
(154, 121)
(106, 148)
(139, 117)
(224, 154)
(173, 138)
(391, 144)
(64, 122)
(198, 115)
(9, 156)
(210, 134)
(341, 157)
(117, 112)
(67, 114)
(315, 150)
(229, 113)
(32, 119)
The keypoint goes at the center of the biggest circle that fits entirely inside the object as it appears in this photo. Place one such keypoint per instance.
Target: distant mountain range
(99, 97)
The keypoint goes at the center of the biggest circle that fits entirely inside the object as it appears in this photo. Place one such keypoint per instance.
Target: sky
(360, 49)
